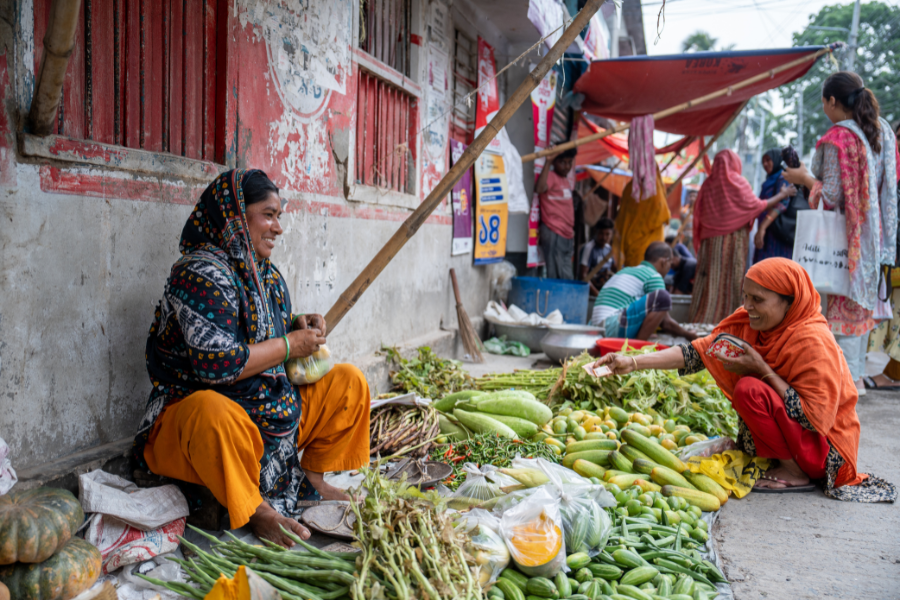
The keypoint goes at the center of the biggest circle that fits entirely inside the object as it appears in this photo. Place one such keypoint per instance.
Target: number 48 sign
(491, 210)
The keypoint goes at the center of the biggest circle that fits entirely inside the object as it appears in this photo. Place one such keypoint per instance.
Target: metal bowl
(561, 345)
(681, 308)
(530, 335)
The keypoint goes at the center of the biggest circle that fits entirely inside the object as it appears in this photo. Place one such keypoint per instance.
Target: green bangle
(287, 353)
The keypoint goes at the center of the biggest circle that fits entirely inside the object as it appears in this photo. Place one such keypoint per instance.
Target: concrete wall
(86, 249)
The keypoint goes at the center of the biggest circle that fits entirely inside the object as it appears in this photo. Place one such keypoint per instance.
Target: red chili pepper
(459, 458)
(449, 451)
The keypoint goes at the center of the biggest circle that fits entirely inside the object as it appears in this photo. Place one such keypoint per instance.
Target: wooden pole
(597, 187)
(706, 148)
(677, 109)
(351, 295)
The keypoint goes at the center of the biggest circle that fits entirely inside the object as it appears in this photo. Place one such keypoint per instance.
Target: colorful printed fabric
(872, 489)
(642, 157)
(720, 277)
(219, 299)
(625, 287)
(628, 321)
(772, 246)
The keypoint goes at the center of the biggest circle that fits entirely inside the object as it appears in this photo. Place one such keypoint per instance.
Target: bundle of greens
(428, 375)
(694, 400)
(410, 548)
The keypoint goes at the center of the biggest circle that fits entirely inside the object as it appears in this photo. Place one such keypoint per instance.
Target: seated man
(598, 252)
(680, 279)
(222, 413)
(634, 303)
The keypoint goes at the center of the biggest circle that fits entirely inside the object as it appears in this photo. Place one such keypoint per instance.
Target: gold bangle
(634, 360)
(763, 378)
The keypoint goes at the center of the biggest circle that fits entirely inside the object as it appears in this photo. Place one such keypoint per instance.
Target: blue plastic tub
(543, 296)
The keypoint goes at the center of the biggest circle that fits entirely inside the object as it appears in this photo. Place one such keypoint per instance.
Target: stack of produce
(694, 400)
(428, 375)
(510, 414)
(39, 557)
(396, 429)
(489, 449)
(570, 426)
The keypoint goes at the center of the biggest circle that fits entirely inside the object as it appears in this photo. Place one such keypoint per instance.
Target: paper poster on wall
(461, 196)
(491, 213)
(437, 120)
(488, 103)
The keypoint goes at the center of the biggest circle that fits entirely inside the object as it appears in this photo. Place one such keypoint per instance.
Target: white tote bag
(820, 247)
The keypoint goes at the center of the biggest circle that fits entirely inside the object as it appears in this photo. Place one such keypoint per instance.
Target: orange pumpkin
(34, 524)
(66, 574)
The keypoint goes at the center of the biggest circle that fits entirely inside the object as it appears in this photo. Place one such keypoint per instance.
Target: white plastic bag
(820, 247)
(7, 473)
(486, 546)
(301, 371)
(533, 532)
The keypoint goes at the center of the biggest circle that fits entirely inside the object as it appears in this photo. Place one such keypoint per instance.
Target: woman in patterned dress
(723, 213)
(855, 170)
(222, 413)
(791, 387)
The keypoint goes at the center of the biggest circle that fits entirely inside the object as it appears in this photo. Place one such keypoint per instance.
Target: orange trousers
(208, 439)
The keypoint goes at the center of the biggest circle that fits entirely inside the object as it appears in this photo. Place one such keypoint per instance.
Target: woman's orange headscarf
(804, 353)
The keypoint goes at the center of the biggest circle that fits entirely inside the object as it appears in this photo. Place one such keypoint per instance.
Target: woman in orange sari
(791, 388)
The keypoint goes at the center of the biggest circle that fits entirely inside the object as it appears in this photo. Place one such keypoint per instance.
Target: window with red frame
(384, 32)
(143, 75)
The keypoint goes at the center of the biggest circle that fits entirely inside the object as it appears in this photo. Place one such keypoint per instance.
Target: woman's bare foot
(326, 490)
(790, 474)
(883, 381)
(265, 525)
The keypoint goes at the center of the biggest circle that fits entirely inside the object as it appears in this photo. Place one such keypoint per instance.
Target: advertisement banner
(596, 43)
(543, 102)
(461, 196)
(491, 212)
(534, 256)
(488, 97)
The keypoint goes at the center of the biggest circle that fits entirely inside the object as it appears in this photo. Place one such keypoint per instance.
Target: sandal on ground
(871, 385)
(787, 489)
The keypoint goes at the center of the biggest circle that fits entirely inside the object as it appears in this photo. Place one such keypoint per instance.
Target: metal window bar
(385, 32)
(465, 78)
(383, 123)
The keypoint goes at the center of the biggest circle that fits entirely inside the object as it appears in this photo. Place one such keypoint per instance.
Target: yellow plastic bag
(246, 585)
(732, 469)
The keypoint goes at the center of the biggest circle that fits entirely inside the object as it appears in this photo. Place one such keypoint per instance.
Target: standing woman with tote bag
(854, 170)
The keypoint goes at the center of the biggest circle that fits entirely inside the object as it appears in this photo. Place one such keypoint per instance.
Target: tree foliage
(701, 41)
(877, 62)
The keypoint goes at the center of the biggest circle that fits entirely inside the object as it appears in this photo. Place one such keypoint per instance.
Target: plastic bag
(533, 533)
(715, 445)
(486, 545)
(502, 346)
(480, 486)
(501, 280)
(301, 371)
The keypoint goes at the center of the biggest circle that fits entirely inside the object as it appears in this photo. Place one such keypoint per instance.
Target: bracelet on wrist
(287, 352)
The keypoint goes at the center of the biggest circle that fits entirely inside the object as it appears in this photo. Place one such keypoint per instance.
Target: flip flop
(788, 489)
(871, 385)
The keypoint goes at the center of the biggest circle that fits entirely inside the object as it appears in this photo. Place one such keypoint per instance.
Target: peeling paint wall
(86, 249)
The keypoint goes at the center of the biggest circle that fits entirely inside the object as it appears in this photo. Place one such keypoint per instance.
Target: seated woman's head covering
(726, 202)
(803, 352)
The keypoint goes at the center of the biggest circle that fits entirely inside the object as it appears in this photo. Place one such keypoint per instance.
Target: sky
(748, 24)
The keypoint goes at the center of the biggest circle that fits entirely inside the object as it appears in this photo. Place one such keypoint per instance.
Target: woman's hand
(750, 363)
(618, 364)
(305, 342)
(312, 321)
(787, 191)
(759, 240)
(799, 176)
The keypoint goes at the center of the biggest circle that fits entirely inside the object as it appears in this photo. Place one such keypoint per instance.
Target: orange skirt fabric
(208, 439)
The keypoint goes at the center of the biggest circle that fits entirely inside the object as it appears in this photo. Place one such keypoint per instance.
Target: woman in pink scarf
(723, 214)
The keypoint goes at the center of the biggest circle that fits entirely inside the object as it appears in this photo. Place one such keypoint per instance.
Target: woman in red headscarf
(723, 214)
(791, 388)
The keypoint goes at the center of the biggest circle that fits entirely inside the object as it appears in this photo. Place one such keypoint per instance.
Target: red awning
(624, 88)
(614, 145)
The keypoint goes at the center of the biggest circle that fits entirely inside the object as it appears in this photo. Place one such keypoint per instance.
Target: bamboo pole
(677, 109)
(706, 148)
(351, 295)
(59, 42)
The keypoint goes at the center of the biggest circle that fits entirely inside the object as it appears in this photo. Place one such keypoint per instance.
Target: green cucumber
(481, 423)
(541, 586)
(585, 445)
(631, 591)
(578, 560)
(638, 576)
(604, 571)
(632, 453)
(448, 403)
(563, 585)
(511, 591)
(515, 577)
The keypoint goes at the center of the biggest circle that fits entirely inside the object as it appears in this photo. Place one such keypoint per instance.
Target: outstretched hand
(618, 364)
(749, 363)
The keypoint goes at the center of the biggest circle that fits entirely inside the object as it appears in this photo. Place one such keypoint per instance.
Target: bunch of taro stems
(395, 429)
(312, 575)
(410, 548)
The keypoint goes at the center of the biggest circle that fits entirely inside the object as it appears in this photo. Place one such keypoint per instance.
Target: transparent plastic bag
(585, 524)
(301, 371)
(706, 448)
(480, 486)
(533, 532)
(486, 545)
(501, 345)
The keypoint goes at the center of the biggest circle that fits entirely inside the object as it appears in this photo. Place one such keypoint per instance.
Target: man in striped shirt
(634, 303)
